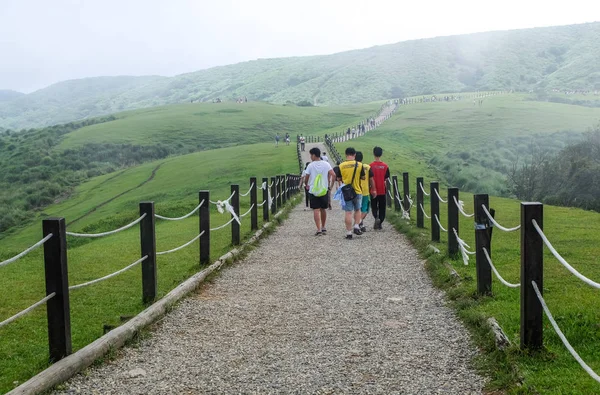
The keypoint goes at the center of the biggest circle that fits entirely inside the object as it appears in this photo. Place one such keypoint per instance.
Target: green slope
(41, 166)
(467, 147)
(564, 57)
(174, 188)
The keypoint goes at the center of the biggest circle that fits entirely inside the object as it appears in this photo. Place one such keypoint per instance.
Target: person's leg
(357, 203)
(317, 218)
(323, 219)
(306, 194)
(382, 207)
(349, 212)
(374, 207)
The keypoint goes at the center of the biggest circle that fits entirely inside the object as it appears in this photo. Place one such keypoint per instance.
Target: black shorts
(317, 202)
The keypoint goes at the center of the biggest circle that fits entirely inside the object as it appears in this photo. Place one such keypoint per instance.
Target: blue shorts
(354, 204)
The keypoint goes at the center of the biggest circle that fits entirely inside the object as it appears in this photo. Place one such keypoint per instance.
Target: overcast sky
(46, 41)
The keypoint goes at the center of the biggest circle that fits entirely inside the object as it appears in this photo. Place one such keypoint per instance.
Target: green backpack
(319, 188)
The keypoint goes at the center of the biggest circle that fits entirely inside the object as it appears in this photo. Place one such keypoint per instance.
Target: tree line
(570, 177)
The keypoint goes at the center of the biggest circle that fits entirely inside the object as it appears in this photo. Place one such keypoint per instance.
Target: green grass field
(414, 140)
(211, 125)
(23, 343)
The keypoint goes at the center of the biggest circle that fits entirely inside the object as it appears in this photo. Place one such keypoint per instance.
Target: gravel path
(304, 315)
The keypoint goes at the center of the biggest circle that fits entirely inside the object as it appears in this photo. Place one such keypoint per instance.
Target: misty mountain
(7, 94)
(565, 57)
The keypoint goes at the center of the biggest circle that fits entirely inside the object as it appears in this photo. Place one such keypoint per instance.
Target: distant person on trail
(302, 142)
(287, 139)
(324, 156)
(350, 173)
(319, 176)
(368, 189)
(381, 173)
(277, 140)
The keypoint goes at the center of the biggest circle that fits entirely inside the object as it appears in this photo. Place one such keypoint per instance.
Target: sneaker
(377, 224)
(357, 231)
(363, 229)
(348, 237)
(323, 230)
(319, 233)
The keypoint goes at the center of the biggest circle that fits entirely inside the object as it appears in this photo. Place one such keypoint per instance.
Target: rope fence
(439, 224)
(502, 280)
(496, 224)
(561, 335)
(439, 197)
(459, 205)
(562, 260)
(183, 217)
(55, 249)
(72, 287)
(27, 310)
(27, 251)
(112, 232)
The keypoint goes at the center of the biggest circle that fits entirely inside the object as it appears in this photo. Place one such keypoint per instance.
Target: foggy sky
(46, 41)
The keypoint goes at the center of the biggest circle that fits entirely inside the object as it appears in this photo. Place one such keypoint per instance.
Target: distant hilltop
(563, 58)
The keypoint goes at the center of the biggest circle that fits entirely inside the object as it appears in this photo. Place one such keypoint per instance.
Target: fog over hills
(563, 57)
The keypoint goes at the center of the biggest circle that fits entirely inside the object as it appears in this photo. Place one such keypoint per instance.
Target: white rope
(271, 184)
(263, 186)
(184, 217)
(219, 202)
(503, 281)
(439, 197)
(107, 233)
(224, 225)
(562, 337)
(247, 212)
(439, 224)
(109, 276)
(181, 247)
(27, 251)
(423, 189)
(562, 260)
(27, 310)
(496, 224)
(262, 204)
(462, 245)
(424, 213)
(460, 204)
(405, 213)
(249, 190)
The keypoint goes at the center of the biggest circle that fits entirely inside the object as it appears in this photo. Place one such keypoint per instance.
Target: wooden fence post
(482, 240)
(406, 191)
(452, 222)
(435, 210)
(148, 243)
(265, 199)
(57, 281)
(532, 269)
(395, 197)
(274, 196)
(279, 192)
(235, 203)
(253, 203)
(288, 186)
(283, 189)
(420, 203)
(388, 198)
(204, 214)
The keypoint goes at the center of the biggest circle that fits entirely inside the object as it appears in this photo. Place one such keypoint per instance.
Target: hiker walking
(381, 173)
(276, 139)
(319, 177)
(305, 185)
(324, 156)
(368, 189)
(287, 139)
(350, 172)
(302, 142)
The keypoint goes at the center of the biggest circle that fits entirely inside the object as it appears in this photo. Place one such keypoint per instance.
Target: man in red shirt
(381, 173)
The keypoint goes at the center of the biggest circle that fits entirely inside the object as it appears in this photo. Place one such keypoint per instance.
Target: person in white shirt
(319, 176)
(324, 156)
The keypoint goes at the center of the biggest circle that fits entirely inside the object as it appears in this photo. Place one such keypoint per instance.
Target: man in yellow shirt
(368, 188)
(346, 172)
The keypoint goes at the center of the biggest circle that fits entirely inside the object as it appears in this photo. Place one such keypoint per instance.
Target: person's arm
(362, 173)
(387, 173)
(331, 179)
(372, 184)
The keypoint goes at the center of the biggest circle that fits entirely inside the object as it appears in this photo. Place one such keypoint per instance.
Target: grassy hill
(101, 205)
(564, 57)
(41, 166)
(470, 147)
(7, 95)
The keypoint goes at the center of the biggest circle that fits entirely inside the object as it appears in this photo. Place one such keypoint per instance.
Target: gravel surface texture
(304, 314)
